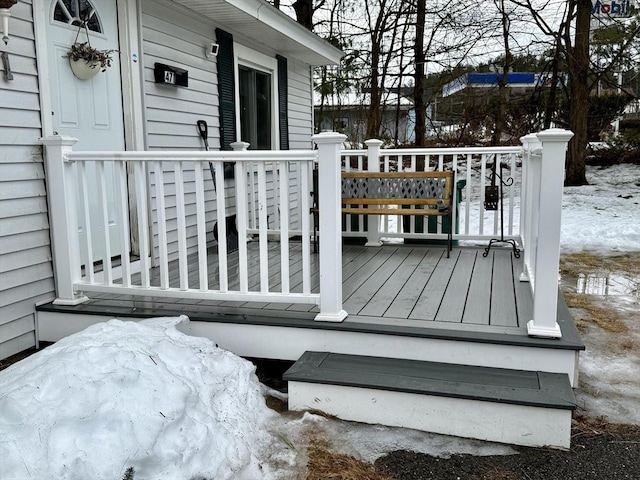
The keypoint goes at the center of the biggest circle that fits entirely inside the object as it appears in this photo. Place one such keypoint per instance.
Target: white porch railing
(270, 195)
(169, 188)
(472, 166)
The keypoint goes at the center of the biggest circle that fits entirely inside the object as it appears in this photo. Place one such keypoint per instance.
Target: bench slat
(393, 211)
(394, 201)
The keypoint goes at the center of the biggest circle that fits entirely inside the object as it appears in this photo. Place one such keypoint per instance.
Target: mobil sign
(622, 8)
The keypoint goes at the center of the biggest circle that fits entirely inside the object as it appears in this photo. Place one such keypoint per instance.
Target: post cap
(373, 142)
(555, 135)
(325, 138)
(239, 146)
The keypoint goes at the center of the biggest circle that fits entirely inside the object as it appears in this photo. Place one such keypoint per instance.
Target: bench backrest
(395, 189)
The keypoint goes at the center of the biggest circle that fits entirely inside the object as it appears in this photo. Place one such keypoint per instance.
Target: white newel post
(63, 215)
(330, 226)
(547, 255)
(373, 165)
(529, 143)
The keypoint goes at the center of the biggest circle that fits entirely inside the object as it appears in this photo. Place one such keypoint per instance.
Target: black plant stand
(492, 204)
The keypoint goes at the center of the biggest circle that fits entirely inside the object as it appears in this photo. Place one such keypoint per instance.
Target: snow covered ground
(605, 215)
(144, 395)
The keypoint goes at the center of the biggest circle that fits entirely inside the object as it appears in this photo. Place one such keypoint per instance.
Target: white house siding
(174, 36)
(300, 105)
(26, 273)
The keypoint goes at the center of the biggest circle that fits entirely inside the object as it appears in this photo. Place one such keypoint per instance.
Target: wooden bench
(399, 193)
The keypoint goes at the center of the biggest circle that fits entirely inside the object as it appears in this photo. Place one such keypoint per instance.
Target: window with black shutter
(250, 105)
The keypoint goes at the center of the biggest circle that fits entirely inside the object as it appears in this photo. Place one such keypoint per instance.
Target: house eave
(265, 24)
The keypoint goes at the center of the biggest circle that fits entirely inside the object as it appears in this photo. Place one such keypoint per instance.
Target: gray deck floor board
(455, 297)
(430, 300)
(381, 300)
(368, 289)
(360, 275)
(503, 305)
(524, 300)
(405, 301)
(404, 285)
(477, 305)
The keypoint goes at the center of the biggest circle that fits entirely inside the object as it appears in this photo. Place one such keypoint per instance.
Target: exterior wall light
(5, 5)
(211, 50)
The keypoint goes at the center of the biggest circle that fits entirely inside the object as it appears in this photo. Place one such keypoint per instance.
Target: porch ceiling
(267, 25)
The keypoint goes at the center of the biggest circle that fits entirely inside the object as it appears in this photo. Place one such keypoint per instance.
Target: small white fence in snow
(169, 200)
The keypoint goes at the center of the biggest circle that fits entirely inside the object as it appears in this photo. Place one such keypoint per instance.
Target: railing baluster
(183, 267)
(107, 269)
(456, 200)
(467, 197)
(142, 206)
(241, 209)
(162, 226)
(284, 225)
(496, 213)
(481, 180)
(88, 265)
(307, 175)
(221, 219)
(512, 187)
(252, 221)
(201, 223)
(123, 203)
(264, 226)
(276, 194)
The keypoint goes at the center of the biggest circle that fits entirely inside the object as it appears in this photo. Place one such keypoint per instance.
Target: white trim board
(287, 343)
(249, 57)
(497, 422)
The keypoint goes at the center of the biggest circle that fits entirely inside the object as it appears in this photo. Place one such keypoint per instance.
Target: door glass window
(255, 108)
(77, 13)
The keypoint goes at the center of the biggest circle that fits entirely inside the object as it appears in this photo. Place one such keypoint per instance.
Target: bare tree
(571, 40)
(503, 92)
(420, 79)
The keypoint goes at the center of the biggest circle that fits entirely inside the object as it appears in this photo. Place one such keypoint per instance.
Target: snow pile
(141, 395)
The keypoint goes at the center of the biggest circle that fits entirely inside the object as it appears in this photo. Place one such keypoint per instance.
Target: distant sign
(622, 8)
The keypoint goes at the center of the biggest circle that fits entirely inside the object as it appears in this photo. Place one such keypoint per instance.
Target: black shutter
(283, 107)
(226, 89)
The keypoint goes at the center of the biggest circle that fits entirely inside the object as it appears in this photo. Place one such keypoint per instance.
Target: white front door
(89, 110)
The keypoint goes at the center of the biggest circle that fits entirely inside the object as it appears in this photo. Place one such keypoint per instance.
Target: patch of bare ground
(326, 465)
(599, 450)
(588, 310)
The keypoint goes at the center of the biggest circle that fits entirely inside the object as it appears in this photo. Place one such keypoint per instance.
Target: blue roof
(514, 79)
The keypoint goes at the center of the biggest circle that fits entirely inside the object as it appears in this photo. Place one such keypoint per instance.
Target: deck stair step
(497, 404)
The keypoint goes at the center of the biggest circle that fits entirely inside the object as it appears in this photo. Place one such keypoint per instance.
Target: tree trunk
(304, 13)
(503, 93)
(550, 107)
(420, 80)
(579, 96)
(374, 112)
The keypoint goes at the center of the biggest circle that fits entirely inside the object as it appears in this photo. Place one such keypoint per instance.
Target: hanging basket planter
(83, 69)
(86, 61)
